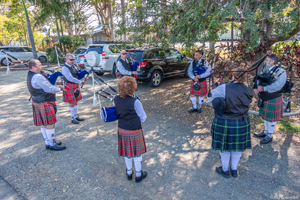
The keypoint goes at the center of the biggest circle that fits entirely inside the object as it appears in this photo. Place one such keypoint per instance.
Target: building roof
(97, 29)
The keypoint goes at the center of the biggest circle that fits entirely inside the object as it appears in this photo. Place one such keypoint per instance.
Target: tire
(99, 73)
(186, 73)
(155, 79)
(113, 73)
(3, 61)
(42, 59)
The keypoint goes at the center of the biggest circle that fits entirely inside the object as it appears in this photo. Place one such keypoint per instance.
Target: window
(16, 49)
(95, 48)
(114, 48)
(27, 49)
(80, 51)
(5, 49)
(158, 53)
(173, 53)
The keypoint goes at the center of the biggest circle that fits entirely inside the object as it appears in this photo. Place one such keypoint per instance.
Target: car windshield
(80, 51)
(137, 56)
(95, 48)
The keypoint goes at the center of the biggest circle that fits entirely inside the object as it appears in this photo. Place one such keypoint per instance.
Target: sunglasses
(72, 59)
(123, 53)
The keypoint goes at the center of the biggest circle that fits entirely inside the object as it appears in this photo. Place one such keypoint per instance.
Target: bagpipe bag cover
(135, 66)
(82, 73)
(53, 77)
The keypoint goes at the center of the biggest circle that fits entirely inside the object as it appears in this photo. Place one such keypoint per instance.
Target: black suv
(157, 64)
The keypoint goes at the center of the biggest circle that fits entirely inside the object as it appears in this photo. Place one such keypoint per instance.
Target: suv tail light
(82, 56)
(104, 56)
(143, 64)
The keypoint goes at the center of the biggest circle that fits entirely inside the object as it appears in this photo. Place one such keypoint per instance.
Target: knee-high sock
(50, 135)
(138, 166)
(75, 111)
(200, 102)
(194, 102)
(266, 127)
(43, 130)
(271, 128)
(235, 158)
(225, 157)
(72, 112)
(128, 162)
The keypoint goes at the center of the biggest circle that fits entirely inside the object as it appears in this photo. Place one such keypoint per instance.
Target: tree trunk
(30, 32)
(123, 18)
(62, 34)
(110, 11)
(58, 35)
(232, 38)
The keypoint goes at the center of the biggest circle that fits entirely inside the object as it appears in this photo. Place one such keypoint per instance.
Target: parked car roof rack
(107, 42)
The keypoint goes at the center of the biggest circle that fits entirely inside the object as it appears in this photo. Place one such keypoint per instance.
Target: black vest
(265, 96)
(126, 65)
(195, 65)
(238, 98)
(128, 119)
(38, 95)
(73, 71)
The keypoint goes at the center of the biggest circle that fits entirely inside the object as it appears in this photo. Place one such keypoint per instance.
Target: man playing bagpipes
(124, 66)
(270, 99)
(72, 93)
(199, 69)
(43, 103)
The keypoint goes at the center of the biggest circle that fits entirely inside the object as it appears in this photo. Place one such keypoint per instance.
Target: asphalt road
(179, 161)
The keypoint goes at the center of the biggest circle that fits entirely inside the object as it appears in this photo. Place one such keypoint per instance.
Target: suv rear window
(80, 51)
(137, 56)
(95, 48)
(114, 48)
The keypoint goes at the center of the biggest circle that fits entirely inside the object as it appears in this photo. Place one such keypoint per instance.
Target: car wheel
(113, 73)
(99, 73)
(4, 62)
(156, 79)
(42, 59)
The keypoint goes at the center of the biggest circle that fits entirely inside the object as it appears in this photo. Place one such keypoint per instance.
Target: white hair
(69, 55)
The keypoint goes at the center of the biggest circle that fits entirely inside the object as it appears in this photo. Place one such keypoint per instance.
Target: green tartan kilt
(272, 110)
(231, 134)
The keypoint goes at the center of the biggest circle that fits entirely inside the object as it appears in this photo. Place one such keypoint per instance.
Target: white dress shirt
(67, 74)
(204, 75)
(138, 107)
(38, 81)
(278, 84)
(121, 68)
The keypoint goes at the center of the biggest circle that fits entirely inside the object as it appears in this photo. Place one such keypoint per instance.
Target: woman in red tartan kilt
(198, 80)
(271, 110)
(43, 104)
(131, 141)
(72, 93)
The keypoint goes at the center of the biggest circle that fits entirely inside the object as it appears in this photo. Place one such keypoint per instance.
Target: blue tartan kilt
(231, 134)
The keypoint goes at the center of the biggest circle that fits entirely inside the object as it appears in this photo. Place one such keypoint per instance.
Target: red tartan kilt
(69, 93)
(44, 113)
(201, 92)
(131, 143)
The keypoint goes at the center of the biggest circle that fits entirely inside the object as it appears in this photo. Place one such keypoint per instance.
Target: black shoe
(262, 134)
(219, 170)
(57, 142)
(79, 119)
(143, 176)
(192, 110)
(199, 110)
(266, 140)
(57, 148)
(234, 173)
(74, 121)
(129, 177)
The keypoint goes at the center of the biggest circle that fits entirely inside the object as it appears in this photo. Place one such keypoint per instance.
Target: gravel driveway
(179, 161)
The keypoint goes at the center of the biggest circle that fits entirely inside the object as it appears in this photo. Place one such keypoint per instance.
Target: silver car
(80, 56)
(21, 53)
(101, 57)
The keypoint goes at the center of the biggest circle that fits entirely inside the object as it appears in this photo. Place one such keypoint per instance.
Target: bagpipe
(134, 63)
(270, 77)
(53, 76)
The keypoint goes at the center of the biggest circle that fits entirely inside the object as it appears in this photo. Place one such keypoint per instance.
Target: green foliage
(160, 22)
(189, 51)
(72, 43)
(287, 127)
(51, 55)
